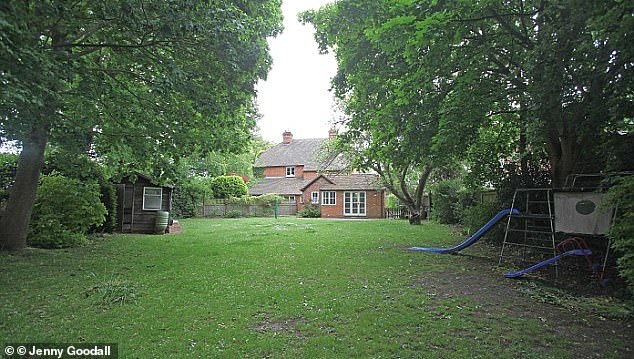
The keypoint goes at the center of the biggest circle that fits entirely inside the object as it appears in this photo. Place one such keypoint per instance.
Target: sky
(295, 95)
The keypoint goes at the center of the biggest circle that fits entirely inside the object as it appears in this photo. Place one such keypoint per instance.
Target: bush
(476, 216)
(450, 200)
(108, 195)
(48, 232)
(228, 186)
(64, 211)
(392, 202)
(267, 200)
(8, 168)
(81, 167)
(234, 213)
(622, 232)
(445, 197)
(309, 211)
(190, 195)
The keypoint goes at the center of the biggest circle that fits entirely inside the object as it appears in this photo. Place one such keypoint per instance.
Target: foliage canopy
(136, 84)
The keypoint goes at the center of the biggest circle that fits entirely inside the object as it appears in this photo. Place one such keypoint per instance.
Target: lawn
(290, 288)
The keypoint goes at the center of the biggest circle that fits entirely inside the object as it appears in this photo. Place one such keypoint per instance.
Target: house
(302, 173)
(139, 201)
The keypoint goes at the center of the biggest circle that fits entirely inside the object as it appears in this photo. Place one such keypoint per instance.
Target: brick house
(302, 173)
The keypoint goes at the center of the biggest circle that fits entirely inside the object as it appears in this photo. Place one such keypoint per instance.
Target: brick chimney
(332, 133)
(287, 137)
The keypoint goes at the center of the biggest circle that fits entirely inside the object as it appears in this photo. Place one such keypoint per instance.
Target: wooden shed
(139, 200)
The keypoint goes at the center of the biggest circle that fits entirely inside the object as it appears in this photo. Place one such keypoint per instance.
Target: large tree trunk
(563, 153)
(398, 186)
(416, 209)
(415, 217)
(14, 223)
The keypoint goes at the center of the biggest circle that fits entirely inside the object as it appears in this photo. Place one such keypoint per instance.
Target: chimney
(332, 133)
(287, 137)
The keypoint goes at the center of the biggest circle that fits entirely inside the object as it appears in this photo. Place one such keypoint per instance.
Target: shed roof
(134, 176)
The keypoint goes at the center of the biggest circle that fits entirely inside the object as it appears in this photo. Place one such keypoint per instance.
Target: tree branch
(422, 181)
(115, 46)
(125, 72)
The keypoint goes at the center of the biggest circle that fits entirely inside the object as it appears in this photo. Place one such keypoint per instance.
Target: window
(290, 171)
(289, 199)
(354, 203)
(314, 197)
(328, 198)
(152, 198)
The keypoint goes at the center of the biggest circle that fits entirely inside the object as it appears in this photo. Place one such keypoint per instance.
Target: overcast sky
(295, 96)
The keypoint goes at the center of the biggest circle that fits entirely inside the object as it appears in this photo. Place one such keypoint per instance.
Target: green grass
(254, 288)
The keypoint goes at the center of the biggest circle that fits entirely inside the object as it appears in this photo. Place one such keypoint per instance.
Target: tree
(557, 71)
(546, 76)
(392, 117)
(228, 187)
(195, 173)
(131, 82)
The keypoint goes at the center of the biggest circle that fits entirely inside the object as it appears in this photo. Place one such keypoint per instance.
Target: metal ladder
(530, 236)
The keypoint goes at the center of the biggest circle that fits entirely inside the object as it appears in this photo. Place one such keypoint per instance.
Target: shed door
(126, 199)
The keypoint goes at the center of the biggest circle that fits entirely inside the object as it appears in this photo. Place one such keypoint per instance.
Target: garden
(448, 102)
(294, 287)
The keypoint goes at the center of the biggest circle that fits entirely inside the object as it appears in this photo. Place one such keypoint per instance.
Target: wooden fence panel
(219, 209)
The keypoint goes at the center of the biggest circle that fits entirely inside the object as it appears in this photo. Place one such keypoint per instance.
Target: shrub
(267, 200)
(228, 186)
(64, 210)
(476, 216)
(622, 232)
(445, 197)
(310, 211)
(450, 199)
(392, 202)
(8, 168)
(108, 195)
(190, 195)
(48, 232)
(81, 167)
(234, 213)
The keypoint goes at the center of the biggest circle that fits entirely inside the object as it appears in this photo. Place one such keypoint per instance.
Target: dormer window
(290, 171)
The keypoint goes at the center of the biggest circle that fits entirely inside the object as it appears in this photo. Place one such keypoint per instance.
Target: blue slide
(474, 238)
(576, 252)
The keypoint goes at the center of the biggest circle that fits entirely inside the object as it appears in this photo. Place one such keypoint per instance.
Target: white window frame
(328, 198)
(290, 171)
(314, 197)
(291, 199)
(159, 196)
(352, 207)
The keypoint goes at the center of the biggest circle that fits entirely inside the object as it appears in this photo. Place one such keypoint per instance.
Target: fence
(397, 213)
(404, 213)
(228, 209)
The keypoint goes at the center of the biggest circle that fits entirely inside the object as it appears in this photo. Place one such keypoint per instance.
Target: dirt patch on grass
(590, 335)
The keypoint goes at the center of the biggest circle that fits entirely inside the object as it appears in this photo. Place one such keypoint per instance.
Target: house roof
(278, 186)
(306, 152)
(359, 181)
(309, 182)
(295, 186)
